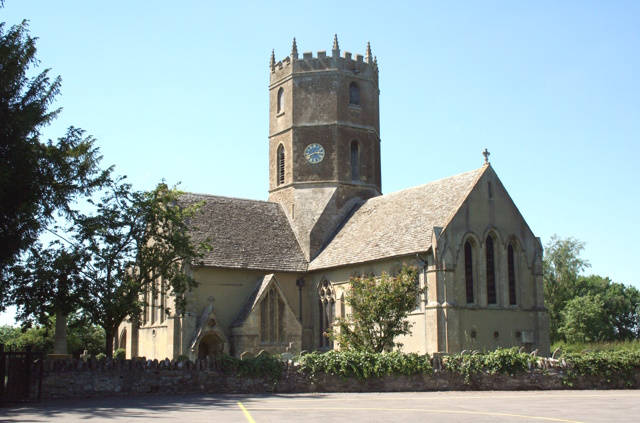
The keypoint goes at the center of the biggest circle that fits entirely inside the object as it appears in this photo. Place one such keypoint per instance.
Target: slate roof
(396, 224)
(245, 234)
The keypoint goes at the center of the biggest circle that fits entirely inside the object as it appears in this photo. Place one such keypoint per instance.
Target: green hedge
(606, 364)
(363, 365)
(506, 361)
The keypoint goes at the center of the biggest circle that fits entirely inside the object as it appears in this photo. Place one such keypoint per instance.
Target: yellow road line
(246, 413)
(422, 410)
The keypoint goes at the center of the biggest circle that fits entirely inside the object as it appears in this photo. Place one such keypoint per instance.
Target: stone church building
(276, 276)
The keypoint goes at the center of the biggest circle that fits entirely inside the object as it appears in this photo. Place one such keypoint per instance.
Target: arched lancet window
(272, 318)
(280, 155)
(395, 270)
(490, 190)
(122, 342)
(416, 282)
(354, 94)
(512, 274)
(468, 270)
(280, 106)
(327, 307)
(369, 273)
(491, 271)
(355, 160)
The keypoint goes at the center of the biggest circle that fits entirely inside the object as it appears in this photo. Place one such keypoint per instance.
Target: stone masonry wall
(125, 377)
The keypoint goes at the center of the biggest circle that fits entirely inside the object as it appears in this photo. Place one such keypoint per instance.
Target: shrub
(120, 354)
(100, 356)
(262, 366)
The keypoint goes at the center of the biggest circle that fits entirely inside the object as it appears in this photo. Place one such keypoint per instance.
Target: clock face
(314, 153)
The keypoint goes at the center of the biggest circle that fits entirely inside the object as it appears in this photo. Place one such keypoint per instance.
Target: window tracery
(327, 307)
(272, 318)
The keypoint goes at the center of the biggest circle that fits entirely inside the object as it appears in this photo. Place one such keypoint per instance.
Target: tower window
(280, 155)
(468, 271)
(512, 275)
(355, 161)
(491, 272)
(354, 94)
(280, 105)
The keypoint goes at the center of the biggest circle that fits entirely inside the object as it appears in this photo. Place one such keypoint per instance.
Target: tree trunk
(60, 336)
(109, 334)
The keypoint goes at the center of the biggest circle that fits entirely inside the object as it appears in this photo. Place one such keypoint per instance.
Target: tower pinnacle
(294, 49)
(335, 52)
(272, 63)
(368, 56)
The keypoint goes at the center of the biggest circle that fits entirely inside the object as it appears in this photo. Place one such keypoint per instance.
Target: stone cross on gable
(486, 155)
(85, 356)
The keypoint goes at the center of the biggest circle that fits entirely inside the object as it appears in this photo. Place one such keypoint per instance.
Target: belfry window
(327, 308)
(280, 157)
(491, 271)
(468, 271)
(280, 105)
(355, 161)
(272, 318)
(354, 94)
(512, 275)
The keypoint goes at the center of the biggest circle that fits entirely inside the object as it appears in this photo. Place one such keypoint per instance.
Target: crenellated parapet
(358, 66)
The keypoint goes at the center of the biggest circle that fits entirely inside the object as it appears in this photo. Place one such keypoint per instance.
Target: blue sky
(178, 90)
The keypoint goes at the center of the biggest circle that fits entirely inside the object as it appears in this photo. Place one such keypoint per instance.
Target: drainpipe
(300, 284)
(422, 265)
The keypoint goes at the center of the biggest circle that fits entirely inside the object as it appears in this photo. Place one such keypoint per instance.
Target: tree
(561, 266)
(584, 319)
(379, 310)
(136, 242)
(621, 305)
(37, 179)
(47, 284)
(82, 336)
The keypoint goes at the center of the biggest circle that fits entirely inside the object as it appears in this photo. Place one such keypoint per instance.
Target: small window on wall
(280, 106)
(280, 157)
(272, 318)
(354, 94)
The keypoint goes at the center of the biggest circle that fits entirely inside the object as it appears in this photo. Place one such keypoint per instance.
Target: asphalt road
(528, 406)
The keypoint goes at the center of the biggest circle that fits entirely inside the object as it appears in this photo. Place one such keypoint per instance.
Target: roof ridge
(228, 197)
(380, 197)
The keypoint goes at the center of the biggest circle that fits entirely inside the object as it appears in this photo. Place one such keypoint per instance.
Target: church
(276, 276)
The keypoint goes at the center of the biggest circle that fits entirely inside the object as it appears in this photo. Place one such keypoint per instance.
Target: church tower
(324, 139)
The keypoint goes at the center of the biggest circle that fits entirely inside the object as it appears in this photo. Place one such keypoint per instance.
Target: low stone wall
(75, 378)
